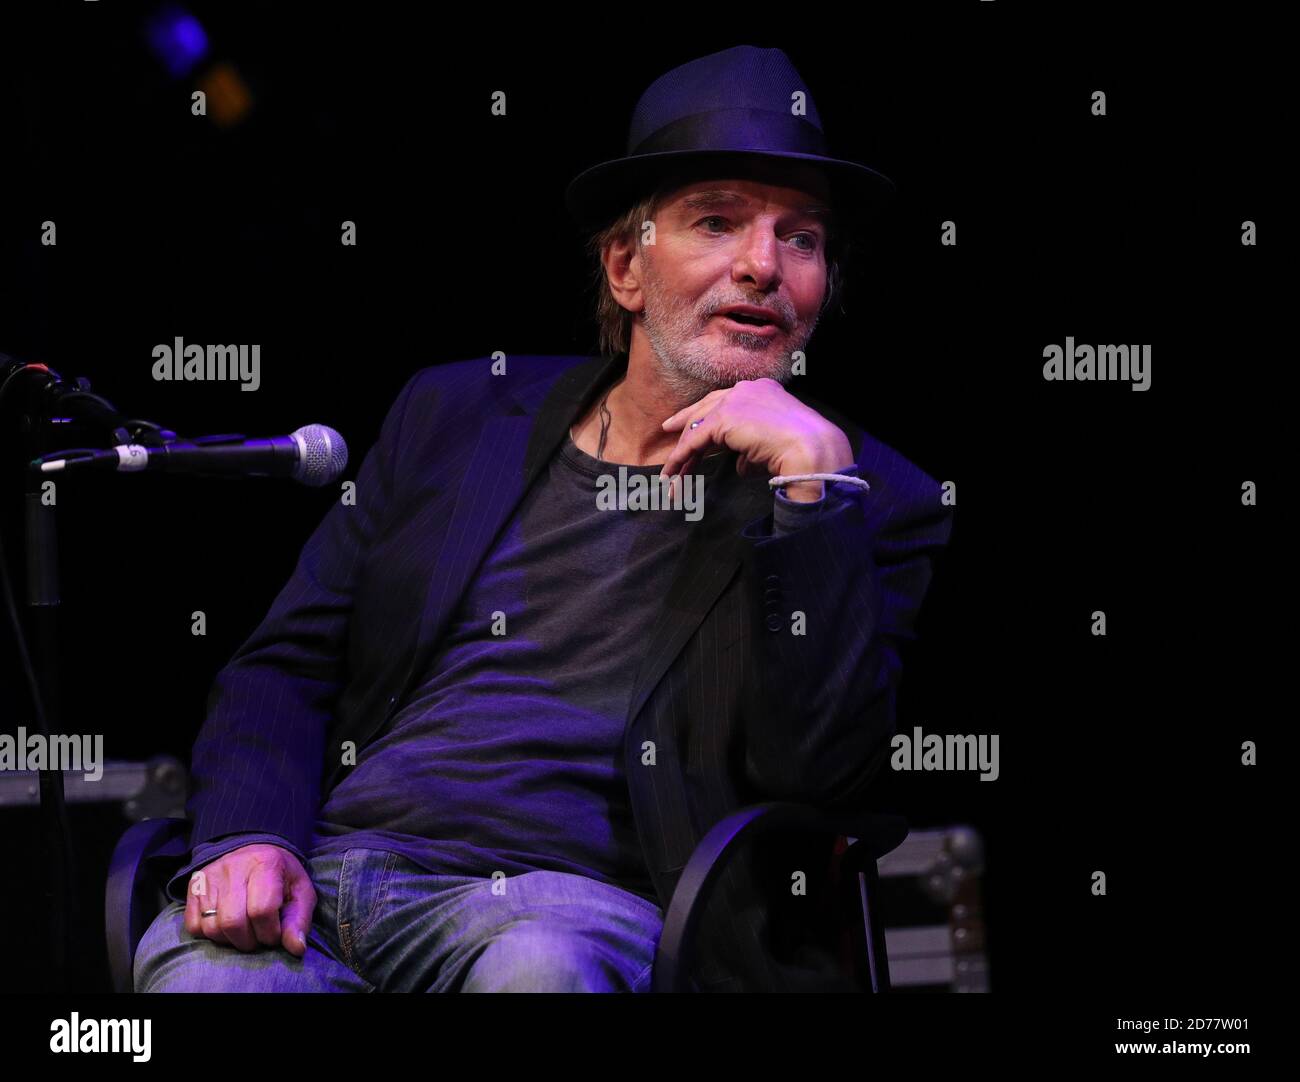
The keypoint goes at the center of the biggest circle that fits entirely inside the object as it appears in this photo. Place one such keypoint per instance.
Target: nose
(758, 258)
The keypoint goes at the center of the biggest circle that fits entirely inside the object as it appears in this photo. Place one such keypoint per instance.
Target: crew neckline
(595, 467)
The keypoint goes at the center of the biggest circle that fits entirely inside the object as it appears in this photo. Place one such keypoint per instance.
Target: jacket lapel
(510, 454)
(710, 558)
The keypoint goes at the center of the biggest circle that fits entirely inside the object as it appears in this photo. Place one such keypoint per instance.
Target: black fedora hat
(740, 104)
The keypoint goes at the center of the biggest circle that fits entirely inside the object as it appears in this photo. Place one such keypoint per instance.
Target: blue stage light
(177, 39)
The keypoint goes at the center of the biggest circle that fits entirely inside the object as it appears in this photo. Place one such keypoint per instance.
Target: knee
(159, 949)
(533, 958)
(169, 959)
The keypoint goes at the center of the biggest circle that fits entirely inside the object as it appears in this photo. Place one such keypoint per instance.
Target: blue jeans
(383, 923)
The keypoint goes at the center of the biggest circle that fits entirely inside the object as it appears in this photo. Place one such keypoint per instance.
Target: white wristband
(777, 482)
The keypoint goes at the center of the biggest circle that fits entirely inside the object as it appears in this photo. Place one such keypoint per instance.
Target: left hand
(768, 427)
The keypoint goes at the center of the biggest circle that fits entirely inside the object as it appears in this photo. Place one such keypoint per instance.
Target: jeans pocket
(363, 881)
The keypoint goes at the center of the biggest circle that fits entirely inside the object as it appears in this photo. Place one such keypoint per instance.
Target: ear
(623, 260)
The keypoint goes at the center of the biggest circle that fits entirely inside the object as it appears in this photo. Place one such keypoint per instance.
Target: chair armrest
(132, 896)
(876, 835)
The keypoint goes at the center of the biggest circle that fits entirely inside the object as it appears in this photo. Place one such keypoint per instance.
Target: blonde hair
(615, 322)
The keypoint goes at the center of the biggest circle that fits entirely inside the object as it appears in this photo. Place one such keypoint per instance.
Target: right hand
(262, 895)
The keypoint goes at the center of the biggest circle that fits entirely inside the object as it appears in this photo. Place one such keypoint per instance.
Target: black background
(1119, 754)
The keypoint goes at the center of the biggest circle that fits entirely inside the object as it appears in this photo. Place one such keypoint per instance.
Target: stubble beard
(686, 353)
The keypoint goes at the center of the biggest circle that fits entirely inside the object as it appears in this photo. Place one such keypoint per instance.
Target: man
(485, 724)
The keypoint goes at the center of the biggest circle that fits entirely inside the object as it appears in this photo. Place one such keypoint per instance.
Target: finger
(265, 897)
(692, 441)
(695, 409)
(209, 897)
(194, 904)
(675, 481)
(295, 917)
(233, 918)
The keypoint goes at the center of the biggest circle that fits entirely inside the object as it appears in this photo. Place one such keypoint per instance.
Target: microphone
(314, 455)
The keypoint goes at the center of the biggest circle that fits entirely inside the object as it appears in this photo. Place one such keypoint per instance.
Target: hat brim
(597, 195)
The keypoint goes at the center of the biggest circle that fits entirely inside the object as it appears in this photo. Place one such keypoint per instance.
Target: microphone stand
(49, 396)
(59, 878)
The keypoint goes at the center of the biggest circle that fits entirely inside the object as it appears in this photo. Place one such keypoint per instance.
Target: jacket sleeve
(832, 603)
(258, 758)
(206, 852)
(789, 515)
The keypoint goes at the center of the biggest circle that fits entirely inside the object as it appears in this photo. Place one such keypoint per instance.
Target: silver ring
(209, 913)
(696, 424)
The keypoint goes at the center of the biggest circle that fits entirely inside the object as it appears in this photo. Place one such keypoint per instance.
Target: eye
(814, 242)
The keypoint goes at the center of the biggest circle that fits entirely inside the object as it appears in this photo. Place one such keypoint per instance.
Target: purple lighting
(177, 39)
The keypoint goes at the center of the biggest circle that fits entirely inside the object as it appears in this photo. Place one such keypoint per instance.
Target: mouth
(750, 323)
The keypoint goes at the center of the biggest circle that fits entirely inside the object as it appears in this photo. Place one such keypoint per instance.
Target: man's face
(739, 241)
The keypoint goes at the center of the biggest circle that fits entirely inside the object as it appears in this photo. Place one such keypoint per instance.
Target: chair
(150, 851)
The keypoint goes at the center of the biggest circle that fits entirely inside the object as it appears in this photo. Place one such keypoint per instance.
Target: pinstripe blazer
(739, 708)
